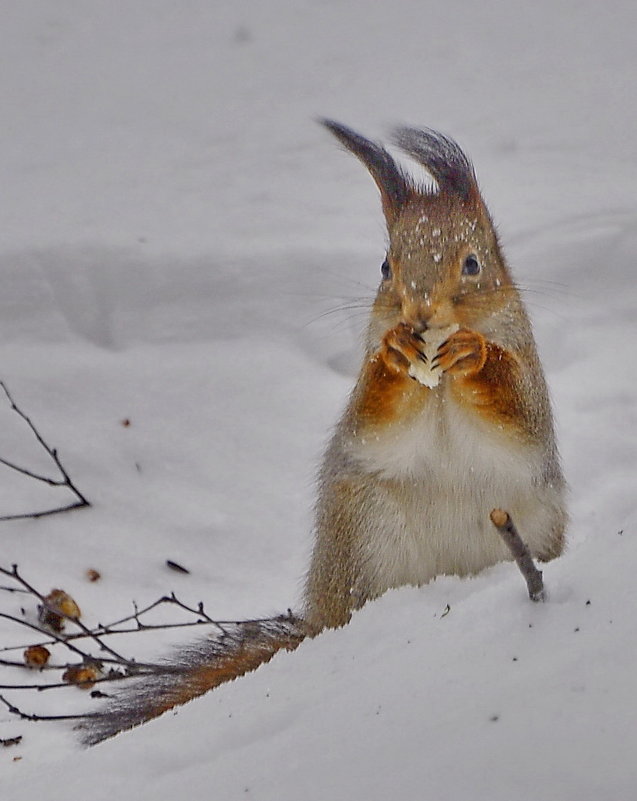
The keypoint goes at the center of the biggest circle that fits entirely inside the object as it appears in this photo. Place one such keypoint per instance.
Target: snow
(185, 249)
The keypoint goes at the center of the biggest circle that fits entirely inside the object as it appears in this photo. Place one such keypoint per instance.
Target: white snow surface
(184, 248)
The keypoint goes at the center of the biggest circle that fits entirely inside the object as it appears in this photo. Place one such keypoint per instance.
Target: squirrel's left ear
(395, 188)
(443, 159)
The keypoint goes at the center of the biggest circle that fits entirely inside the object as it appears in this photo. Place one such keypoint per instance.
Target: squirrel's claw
(463, 353)
(401, 347)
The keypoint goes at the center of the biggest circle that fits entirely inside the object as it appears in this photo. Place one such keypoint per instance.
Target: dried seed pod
(36, 656)
(50, 619)
(63, 602)
(58, 606)
(83, 676)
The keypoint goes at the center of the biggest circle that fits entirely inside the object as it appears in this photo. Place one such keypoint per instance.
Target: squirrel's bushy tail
(193, 671)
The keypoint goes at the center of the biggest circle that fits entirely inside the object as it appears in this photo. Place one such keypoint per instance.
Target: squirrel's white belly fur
(437, 481)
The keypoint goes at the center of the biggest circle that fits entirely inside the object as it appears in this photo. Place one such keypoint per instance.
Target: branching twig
(93, 656)
(75, 620)
(65, 481)
(509, 533)
(130, 666)
(55, 638)
(106, 632)
(110, 629)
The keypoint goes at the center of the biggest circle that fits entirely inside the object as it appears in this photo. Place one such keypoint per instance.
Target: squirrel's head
(443, 262)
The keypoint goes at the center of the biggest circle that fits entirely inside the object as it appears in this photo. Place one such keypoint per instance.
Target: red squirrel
(449, 418)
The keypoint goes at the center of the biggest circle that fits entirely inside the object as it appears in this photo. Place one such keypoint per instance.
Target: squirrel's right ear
(393, 184)
(443, 159)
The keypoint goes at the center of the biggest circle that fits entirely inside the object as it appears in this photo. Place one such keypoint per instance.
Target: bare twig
(113, 628)
(90, 655)
(26, 716)
(65, 481)
(55, 639)
(520, 552)
(105, 631)
(110, 629)
(46, 513)
(130, 666)
(110, 677)
(75, 620)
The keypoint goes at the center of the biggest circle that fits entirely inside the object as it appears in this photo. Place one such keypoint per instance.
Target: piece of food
(433, 338)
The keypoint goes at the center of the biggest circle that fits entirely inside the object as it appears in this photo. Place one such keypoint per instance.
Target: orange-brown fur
(386, 391)
(247, 657)
(492, 387)
(193, 671)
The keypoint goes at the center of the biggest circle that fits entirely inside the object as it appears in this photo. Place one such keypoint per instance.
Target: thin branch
(109, 630)
(105, 632)
(520, 552)
(53, 482)
(91, 668)
(55, 639)
(75, 620)
(136, 668)
(171, 599)
(110, 677)
(46, 513)
(26, 716)
(22, 664)
(65, 481)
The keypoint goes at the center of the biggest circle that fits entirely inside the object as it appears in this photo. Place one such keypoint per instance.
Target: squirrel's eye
(385, 270)
(471, 265)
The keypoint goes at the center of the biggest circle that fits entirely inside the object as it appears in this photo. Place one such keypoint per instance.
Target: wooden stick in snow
(509, 533)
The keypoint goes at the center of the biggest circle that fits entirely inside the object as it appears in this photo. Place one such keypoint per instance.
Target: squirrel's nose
(418, 314)
(426, 312)
(420, 326)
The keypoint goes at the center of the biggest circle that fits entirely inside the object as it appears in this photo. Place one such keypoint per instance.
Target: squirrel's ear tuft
(443, 159)
(393, 184)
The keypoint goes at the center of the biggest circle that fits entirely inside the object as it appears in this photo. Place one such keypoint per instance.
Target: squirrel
(413, 467)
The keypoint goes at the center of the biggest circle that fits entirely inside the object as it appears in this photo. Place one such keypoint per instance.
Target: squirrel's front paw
(464, 353)
(401, 347)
